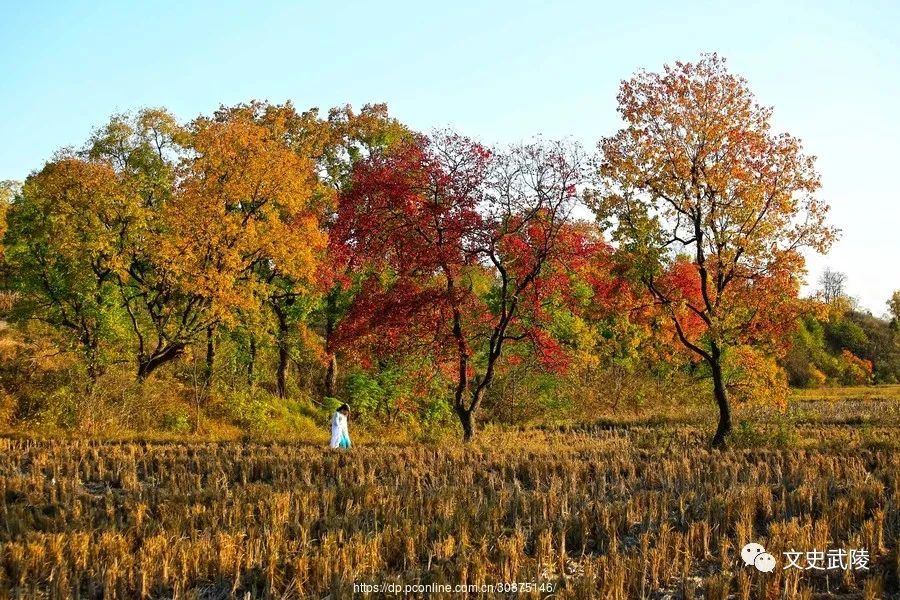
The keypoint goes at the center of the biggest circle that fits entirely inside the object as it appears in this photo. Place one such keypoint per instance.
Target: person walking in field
(340, 433)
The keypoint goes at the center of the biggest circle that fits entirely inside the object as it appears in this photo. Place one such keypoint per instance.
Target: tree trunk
(466, 413)
(92, 358)
(210, 356)
(93, 373)
(148, 364)
(330, 323)
(281, 371)
(251, 361)
(721, 395)
(467, 421)
(331, 376)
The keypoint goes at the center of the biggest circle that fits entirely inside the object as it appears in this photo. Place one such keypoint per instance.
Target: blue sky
(499, 71)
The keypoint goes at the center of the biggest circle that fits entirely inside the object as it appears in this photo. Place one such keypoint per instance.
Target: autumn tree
(274, 283)
(243, 204)
(81, 226)
(354, 136)
(894, 309)
(63, 246)
(143, 150)
(306, 312)
(462, 246)
(8, 191)
(191, 228)
(212, 205)
(832, 286)
(713, 207)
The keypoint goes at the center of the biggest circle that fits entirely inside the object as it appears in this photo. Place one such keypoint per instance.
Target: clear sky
(499, 71)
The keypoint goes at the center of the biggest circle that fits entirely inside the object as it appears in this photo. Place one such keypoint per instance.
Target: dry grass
(629, 511)
(867, 392)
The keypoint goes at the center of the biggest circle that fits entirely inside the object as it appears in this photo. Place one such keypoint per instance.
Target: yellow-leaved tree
(713, 208)
(245, 207)
(65, 246)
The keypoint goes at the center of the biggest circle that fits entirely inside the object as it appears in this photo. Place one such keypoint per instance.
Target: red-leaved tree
(459, 249)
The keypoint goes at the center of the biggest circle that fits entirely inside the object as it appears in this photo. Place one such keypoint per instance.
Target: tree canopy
(713, 207)
(242, 255)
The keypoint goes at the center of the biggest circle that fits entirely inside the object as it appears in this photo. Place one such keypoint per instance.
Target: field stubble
(625, 511)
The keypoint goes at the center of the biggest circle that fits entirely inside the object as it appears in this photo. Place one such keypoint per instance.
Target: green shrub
(249, 410)
(176, 422)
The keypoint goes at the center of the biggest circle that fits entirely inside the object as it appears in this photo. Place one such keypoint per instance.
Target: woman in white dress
(340, 433)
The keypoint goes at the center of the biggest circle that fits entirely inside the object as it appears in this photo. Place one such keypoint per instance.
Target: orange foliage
(711, 207)
(245, 199)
